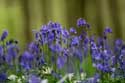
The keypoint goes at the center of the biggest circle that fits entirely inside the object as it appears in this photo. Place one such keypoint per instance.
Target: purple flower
(81, 22)
(34, 79)
(98, 56)
(12, 52)
(122, 55)
(113, 60)
(54, 25)
(51, 37)
(37, 35)
(72, 30)
(92, 38)
(44, 29)
(100, 41)
(56, 48)
(85, 50)
(96, 78)
(118, 46)
(78, 54)
(123, 52)
(60, 62)
(33, 48)
(75, 41)
(118, 42)
(86, 40)
(123, 47)
(4, 35)
(26, 60)
(3, 77)
(100, 67)
(9, 59)
(107, 30)
(65, 33)
(65, 52)
(41, 60)
(1, 51)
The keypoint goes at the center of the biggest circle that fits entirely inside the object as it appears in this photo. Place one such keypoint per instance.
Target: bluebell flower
(43, 33)
(34, 48)
(44, 29)
(65, 52)
(93, 46)
(94, 52)
(4, 35)
(37, 35)
(65, 48)
(122, 58)
(117, 49)
(51, 37)
(107, 30)
(54, 28)
(65, 33)
(100, 41)
(12, 52)
(113, 60)
(86, 40)
(96, 78)
(3, 77)
(83, 35)
(54, 25)
(122, 51)
(100, 67)
(78, 54)
(26, 60)
(81, 22)
(42, 60)
(85, 50)
(34, 79)
(118, 42)
(92, 39)
(61, 62)
(56, 48)
(39, 60)
(1, 51)
(123, 47)
(101, 56)
(98, 56)
(75, 41)
(73, 30)
(57, 25)
(50, 32)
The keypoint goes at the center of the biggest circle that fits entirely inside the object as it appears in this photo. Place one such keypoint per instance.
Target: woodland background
(20, 17)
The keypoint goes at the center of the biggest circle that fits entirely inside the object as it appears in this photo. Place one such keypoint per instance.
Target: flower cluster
(57, 52)
(108, 59)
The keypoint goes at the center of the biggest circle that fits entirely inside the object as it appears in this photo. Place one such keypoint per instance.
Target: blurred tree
(21, 16)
